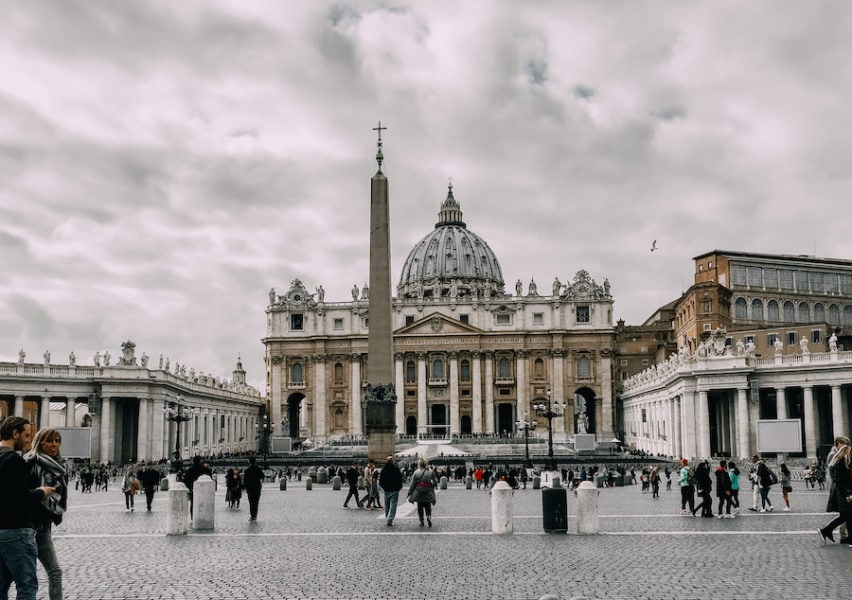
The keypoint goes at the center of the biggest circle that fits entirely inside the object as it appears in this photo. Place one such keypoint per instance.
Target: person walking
(149, 478)
(786, 485)
(704, 486)
(18, 502)
(687, 496)
(233, 488)
(654, 476)
(191, 475)
(47, 468)
(129, 486)
(734, 476)
(723, 490)
(764, 482)
(840, 494)
(352, 475)
(390, 480)
(370, 475)
(253, 484)
(422, 490)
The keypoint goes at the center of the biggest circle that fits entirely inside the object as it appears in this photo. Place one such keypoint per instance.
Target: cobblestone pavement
(306, 545)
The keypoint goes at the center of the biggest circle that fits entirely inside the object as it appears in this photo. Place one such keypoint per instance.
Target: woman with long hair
(48, 468)
(786, 485)
(704, 485)
(840, 496)
(422, 490)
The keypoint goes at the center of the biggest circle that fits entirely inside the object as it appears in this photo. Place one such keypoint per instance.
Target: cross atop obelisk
(380, 392)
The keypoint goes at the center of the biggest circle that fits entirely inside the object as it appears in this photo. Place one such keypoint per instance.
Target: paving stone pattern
(306, 545)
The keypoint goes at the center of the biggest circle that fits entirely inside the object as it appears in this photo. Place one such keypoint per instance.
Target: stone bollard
(501, 508)
(312, 472)
(557, 483)
(177, 516)
(309, 484)
(468, 483)
(282, 484)
(164, 484)
(203, 503)
(335, 483)
(587, 508)
(536, 482)
(443, 483)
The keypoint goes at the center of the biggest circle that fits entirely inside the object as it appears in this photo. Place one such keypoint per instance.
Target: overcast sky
(163, 164)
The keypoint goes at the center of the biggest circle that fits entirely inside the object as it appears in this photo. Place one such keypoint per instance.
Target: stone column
(158, 425)
(320, 401)
(44, 413)
(558, 391)
(357, 426)
(421, 393)
(743, 423)
(677, 437)
(489, 392)
(399, 359)
(521, 382)
(810, 422)
(106, 430)
(19, 406)
(143, 450)
(703, 425)
(275, 390)
(455, 420)
(70, 412)
(837, 411)
(607, 422)
(476, 366)
(781, 402)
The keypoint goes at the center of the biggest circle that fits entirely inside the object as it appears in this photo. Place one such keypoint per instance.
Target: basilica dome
(451, 261)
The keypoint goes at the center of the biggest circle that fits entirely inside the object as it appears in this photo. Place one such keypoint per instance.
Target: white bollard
(587, 508)
(502, 518)
(177, 516)
(203, 503)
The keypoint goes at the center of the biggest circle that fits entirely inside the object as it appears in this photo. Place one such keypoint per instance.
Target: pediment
(436, 324)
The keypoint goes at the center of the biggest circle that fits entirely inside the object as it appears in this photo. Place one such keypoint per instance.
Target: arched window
(584, 368)
(438, 369)
(538, 369)
(789, 312)
(741, 309)
(297, 373)
(410, 372)
(819, 313)
(834, 314)
(757, 309)
(804, 312)
(847, 315)
(772, 310)
(338, 373)
(464, 370)
(503, 368)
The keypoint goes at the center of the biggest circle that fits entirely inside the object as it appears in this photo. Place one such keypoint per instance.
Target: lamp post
(176, 412)
(264, 431)
(549, 410)
(526, 425)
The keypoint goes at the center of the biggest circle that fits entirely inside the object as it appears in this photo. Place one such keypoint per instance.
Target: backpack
(773, 477)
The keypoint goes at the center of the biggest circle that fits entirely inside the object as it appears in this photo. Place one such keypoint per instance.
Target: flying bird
(654, 246)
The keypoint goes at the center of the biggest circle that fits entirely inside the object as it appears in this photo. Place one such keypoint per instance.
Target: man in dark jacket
(192, 474)
(149, 477)
(253, 478)
(18, 502)
(352, 475)
(390, 480)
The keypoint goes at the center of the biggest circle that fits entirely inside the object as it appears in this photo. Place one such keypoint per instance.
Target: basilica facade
(471, 357)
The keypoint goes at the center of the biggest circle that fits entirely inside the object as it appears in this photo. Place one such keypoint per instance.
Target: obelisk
(380, 394)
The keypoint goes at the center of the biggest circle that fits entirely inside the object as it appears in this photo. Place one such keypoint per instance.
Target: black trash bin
(554, 510)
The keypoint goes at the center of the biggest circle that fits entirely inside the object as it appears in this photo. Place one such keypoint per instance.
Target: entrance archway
(293, 417)
(411, 426)
(585, 413)
(466, 428)
(438, 414)
(505, 419)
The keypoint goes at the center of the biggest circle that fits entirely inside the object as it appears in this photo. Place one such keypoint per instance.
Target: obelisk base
(381, 444)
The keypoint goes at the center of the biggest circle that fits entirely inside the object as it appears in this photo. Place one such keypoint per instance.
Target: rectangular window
(503, 319)
(366, 322)
(583, 314)
(770, 278)
(786, 277)
(505, 392)
(296, 322)
(538, 318)
(623, 362)
(738, 275)
(465, 392)
(411, 393)
(644, 416)
(409, 320)
(623, 375)
(707, 306)
(644, 349)
(464, 319)
(816, 336)
(338, 324)
(755, 276)
(707, 327)
(749, 339)
(770, 339)
(792, 338)
(645, 362)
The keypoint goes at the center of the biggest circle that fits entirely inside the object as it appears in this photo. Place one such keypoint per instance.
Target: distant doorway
(465, 425)
(505, 419)
(438, 420)
(411, 426)
(290, 426)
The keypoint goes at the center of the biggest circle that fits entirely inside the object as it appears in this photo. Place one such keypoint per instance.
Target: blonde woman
(840, 496)
(130, 485)
(422, 490)
(47, 468)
